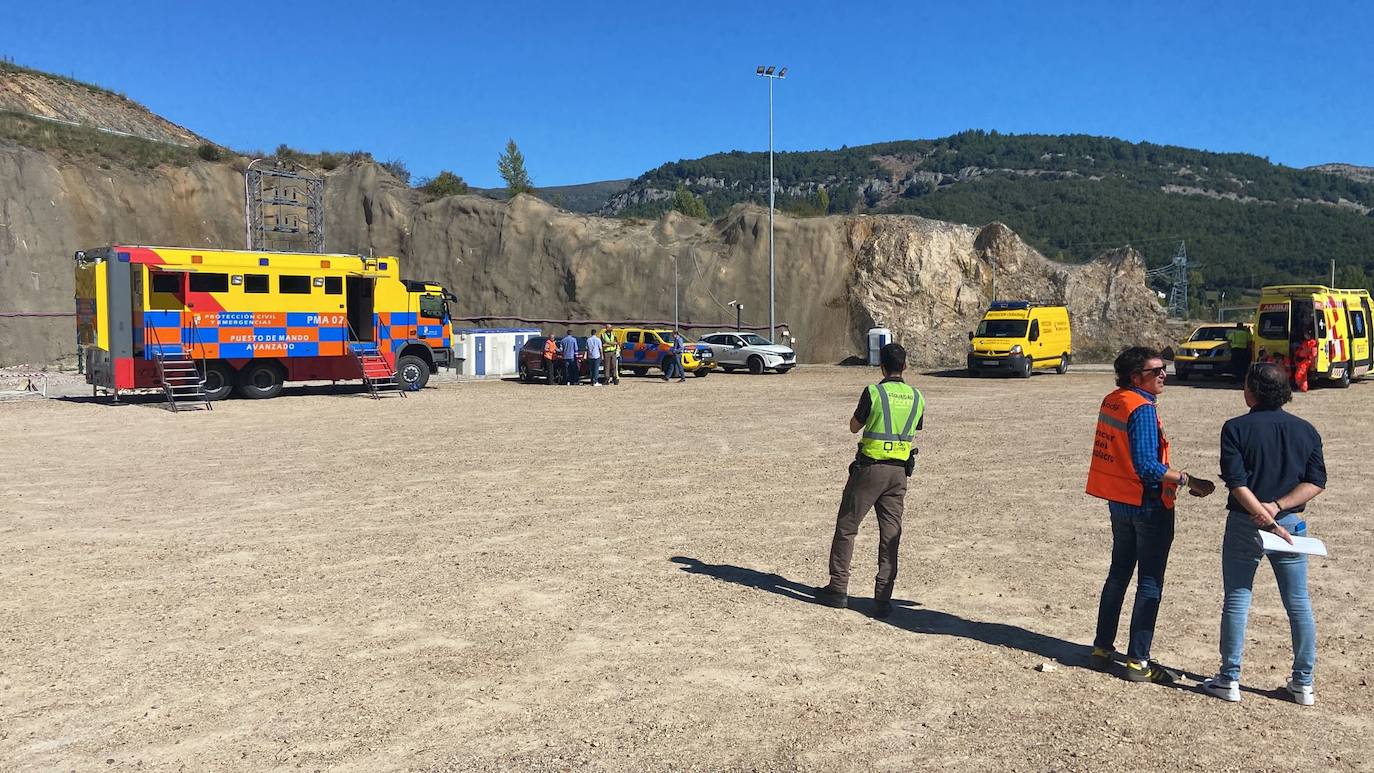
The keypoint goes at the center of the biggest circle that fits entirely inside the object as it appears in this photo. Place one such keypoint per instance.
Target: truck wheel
(524, 373)
(1063, 366)
(1025, 370)
(755, 364)
(412, 372)
(219, 381)
(1344, 380)
(701, 372)
(260, 379)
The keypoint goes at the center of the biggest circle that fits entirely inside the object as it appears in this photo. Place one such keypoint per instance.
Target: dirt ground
(491, 576)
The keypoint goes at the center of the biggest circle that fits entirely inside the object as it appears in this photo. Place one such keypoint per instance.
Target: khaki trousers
(880, 487)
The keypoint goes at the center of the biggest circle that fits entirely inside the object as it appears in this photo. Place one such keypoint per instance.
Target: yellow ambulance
(1018, 336)
(1339, 320)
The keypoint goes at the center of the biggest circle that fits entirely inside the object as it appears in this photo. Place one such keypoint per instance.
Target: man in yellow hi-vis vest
(610, 354)
(889, 413)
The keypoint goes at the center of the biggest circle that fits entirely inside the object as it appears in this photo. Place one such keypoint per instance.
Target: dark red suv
(531, 361)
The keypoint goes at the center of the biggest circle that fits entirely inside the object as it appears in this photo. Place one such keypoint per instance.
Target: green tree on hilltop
(688, 204)
(511, 165)
(445, 183)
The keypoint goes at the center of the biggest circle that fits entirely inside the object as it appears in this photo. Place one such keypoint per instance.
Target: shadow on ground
(906, 615)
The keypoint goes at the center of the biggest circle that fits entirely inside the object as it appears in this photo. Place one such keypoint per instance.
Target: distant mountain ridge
(584, 197)
(1247, 220)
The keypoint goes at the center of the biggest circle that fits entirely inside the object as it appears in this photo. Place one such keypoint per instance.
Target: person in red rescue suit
(1304, 357)
(1130, 469)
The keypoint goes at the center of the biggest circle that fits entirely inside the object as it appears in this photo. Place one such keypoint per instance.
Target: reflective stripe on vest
(880, 441)
(1111, 475)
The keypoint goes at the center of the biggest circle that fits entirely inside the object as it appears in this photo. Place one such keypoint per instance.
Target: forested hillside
(1245, 221)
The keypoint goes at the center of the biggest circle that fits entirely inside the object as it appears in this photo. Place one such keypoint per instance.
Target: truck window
(1274, 325)
(432, 306)
(1321, 325)
(1034, 334)
(1357, 326)
(632, 337)
(255, 283)
(209, 283)
(333, 285)
(166, 283)
(294, 285)
(1001, 328)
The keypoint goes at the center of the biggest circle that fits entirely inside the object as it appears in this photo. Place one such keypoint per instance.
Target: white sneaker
(1221, 687)
(1302, 694)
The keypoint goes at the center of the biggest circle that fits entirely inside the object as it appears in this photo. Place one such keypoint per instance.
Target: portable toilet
(878, 337)
(491, 351)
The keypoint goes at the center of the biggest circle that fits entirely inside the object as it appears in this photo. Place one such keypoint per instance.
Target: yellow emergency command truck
(250, 321)
(1339, 320)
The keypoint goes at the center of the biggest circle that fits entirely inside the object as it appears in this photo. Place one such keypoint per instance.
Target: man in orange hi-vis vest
(1130, 469)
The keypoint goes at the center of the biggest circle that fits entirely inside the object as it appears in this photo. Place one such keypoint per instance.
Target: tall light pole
(767, 72)
(739, 312)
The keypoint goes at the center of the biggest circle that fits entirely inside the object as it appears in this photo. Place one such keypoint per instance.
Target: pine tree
(511, 165)
(688, 204)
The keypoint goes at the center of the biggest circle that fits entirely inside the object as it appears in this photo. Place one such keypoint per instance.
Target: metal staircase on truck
(183, 382)
(378, 374)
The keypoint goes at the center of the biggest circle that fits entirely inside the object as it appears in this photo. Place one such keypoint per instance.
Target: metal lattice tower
(283, 209)
(1177, 272)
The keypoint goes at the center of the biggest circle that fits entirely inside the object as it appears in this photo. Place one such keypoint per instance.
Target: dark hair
(1132, 361)
(1269, 384)
(893, 358)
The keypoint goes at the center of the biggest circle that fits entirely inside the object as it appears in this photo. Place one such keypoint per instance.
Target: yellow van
(1019, 336)
(1338, 319)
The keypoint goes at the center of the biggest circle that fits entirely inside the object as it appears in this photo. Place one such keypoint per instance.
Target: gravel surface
(494, 576)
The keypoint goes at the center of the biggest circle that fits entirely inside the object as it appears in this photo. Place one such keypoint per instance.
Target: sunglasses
(1155, 372)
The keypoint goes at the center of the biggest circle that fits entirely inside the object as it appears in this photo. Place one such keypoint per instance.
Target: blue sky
(595, 91)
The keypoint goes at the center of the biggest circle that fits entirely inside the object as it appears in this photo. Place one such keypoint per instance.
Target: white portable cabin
(490, 351)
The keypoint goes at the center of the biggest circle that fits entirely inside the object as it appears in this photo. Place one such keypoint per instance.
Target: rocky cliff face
(836, 276)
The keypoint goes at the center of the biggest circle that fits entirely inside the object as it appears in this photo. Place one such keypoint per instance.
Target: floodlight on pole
(767, 72)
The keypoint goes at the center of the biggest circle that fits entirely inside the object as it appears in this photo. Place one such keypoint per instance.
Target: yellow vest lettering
(894, 411)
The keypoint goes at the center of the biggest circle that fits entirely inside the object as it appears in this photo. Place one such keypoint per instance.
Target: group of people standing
(1271, 462)
(1272, 465)
(1295, 367)
(602, 356)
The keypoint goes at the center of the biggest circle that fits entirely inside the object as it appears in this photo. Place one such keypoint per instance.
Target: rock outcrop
(837, 276)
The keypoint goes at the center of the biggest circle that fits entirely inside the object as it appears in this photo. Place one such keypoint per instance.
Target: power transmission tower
(1177, 272)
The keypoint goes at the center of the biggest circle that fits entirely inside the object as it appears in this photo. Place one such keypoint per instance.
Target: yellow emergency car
(1339, 320)
(1206, 351)
(642, 348)
(1018, 336)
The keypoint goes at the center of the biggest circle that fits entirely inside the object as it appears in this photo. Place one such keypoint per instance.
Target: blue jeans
(594, 368)
(1142, 541)
(571, 375)
(674, 367)
(1240, 557)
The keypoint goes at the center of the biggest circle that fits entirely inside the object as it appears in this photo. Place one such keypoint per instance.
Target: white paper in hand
(1306, 545)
